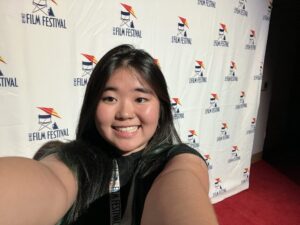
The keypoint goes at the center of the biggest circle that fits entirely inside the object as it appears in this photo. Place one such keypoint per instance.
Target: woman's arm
(179, 195)
(35, 192)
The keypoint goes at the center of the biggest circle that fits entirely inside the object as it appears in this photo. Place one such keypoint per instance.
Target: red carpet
(272, 199)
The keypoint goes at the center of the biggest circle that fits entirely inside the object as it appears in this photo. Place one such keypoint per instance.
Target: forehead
(127, 76)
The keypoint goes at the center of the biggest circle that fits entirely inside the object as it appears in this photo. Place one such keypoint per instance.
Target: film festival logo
(207, 3)
(234, 154)
(42, 14)
(241, 8)
(232, 75)
(219, 189)
(260, 73)
(176, 108)
(252, 126)
(193, 139)
(181, 36)
(48, 127)
(224, 134)
(6, 81)
(213, 104)
(198, 76)
(267, 16)
(246, 175)
(251, 44)
(127, 27)
(221, 41)
(87, 66)
(208, 161)
(242, 103)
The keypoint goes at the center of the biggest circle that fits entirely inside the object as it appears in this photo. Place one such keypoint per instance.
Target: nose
(125, 111)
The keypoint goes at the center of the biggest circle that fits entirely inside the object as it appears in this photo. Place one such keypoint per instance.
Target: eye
(141, 100)
(109, 99)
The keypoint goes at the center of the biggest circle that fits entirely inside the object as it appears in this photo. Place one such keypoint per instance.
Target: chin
(128, 150)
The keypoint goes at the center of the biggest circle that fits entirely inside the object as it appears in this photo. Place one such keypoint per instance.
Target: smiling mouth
(129, 129)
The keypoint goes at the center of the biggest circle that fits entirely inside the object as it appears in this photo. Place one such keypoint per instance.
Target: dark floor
(287, 162)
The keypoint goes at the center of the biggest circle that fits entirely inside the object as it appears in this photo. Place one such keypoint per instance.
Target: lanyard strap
(115, 197)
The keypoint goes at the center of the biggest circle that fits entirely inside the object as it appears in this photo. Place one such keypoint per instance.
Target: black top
(99, 211)
(137, 173)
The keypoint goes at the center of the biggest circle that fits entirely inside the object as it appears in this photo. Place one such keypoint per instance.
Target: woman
(127, 164)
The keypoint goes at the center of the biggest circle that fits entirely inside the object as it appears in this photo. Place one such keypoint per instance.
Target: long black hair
(89, 156)
(147, 68)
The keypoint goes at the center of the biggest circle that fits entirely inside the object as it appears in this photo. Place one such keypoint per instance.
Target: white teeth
(127, 129)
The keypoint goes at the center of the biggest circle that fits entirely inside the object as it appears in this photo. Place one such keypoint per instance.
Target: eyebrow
(144, 90)
(138, 89)
(109, 89)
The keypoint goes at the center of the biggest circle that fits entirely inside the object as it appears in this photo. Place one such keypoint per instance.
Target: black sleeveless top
(137, 173)
(136, 176)
(99, 210)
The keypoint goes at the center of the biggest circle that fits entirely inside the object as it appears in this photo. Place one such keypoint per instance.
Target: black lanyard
(115, 196)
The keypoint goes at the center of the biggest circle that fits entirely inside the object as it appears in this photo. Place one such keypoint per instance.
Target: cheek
(102, 115)
(151, 114)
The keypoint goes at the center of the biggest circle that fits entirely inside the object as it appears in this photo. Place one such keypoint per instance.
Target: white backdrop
(211, 52)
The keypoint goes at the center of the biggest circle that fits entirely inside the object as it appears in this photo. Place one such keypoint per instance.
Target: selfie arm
(33, 192)
(179, 195)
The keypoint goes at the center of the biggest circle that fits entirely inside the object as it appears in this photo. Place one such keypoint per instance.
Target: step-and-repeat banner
(211, 52)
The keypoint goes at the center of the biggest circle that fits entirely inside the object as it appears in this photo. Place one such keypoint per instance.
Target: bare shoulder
(189, 165)
(63, 174)
(179, 195)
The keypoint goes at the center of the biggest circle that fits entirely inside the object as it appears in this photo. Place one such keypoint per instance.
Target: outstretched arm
(179, 195)
(35, 192)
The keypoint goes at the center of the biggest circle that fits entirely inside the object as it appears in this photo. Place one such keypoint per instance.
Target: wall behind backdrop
(211, 52)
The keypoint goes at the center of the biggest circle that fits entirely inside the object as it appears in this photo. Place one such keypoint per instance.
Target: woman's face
(128, 111)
